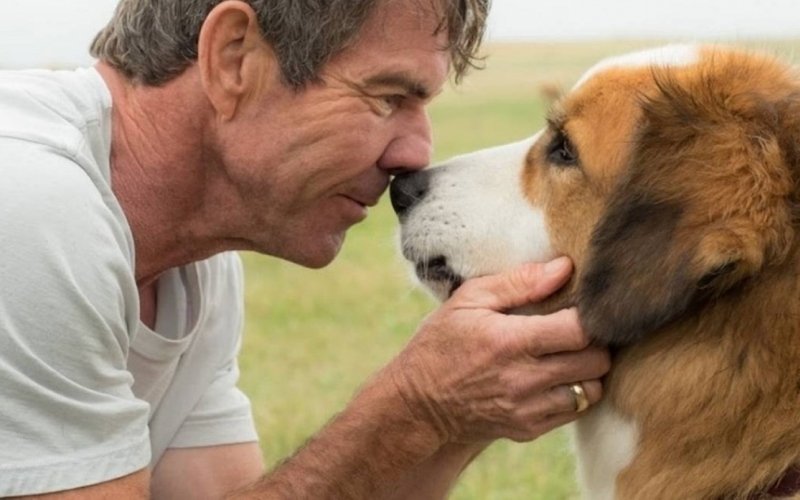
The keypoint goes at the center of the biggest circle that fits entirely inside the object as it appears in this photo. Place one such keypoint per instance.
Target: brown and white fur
(671, 177)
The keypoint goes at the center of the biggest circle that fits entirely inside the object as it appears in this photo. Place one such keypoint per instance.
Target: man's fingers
(544, 374)
(517, 287)
(540, 335)
(541, 426)
(553, 408)
(561, 400)
(569, 367)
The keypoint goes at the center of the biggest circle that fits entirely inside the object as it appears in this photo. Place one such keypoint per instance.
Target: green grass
(313, 336)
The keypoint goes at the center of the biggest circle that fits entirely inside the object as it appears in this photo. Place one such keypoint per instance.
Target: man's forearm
(365, 452)
(471, 374)
(435, 477)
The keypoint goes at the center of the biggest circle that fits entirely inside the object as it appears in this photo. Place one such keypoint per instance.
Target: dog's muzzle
(432, 268)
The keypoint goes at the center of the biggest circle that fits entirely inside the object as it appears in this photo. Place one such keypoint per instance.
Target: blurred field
(313, 336)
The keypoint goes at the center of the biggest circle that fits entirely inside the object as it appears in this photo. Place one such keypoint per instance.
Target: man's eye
(561, 151)
(394, 101)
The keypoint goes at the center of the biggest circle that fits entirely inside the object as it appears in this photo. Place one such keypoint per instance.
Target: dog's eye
(561, 151)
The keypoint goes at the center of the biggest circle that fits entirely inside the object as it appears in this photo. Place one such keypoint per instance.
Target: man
(212, 126)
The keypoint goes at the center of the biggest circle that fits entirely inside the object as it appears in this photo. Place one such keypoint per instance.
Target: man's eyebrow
(408, 84)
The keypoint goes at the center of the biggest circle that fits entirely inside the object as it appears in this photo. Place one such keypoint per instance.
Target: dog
(671, 178)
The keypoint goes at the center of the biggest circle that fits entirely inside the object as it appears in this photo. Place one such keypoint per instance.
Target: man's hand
(475, 373)
(471, 374)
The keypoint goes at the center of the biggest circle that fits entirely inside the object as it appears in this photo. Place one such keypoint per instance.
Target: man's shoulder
(55, 147)
(55, 108)
(50, 206)
(41, 181)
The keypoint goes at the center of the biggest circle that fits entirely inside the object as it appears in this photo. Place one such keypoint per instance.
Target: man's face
(308, 163)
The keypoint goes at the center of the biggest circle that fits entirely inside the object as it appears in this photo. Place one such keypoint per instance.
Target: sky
(57, 32)
(679, 19)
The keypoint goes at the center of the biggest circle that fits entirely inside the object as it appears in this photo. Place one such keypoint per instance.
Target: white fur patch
(476, 215)
(605, 444)
(669, 55)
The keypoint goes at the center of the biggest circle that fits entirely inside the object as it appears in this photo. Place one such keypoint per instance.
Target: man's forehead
(399, 48)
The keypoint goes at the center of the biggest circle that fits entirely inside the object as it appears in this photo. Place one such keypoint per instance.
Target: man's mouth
(364, 201)
(367, 195)
(357, 201)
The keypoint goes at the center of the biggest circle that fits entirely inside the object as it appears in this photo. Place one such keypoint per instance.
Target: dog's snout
(408, 189)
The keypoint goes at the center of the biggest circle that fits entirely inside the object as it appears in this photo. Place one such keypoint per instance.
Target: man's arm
(472, 374)
(207, 472)
(361, 453)
(435, 477)
(133, 486)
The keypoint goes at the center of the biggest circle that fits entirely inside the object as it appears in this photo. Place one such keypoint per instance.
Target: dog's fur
(671, 178)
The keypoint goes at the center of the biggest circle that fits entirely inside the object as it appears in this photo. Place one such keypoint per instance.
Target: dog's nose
(408, 189)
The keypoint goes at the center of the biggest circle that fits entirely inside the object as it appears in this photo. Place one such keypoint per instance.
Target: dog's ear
(646, 266)
(703, 206)
(550, 92)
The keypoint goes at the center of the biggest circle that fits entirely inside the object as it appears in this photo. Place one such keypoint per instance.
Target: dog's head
(668, 176)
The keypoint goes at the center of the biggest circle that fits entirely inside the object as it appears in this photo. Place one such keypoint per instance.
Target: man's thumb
(525, 284)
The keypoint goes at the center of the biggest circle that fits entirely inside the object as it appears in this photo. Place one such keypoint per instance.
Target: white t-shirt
(87, 392)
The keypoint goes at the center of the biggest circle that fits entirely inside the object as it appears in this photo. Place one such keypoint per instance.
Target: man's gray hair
(152, 41)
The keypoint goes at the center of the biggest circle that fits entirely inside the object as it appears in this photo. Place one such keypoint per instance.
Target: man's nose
(408, 189)
(412, 149)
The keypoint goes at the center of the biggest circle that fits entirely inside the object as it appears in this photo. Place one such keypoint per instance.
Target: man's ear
(233, 58)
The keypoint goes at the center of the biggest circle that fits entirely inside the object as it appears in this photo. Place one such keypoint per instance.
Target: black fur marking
(630, 287)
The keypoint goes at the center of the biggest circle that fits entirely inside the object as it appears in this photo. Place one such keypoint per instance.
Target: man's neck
(159, 170)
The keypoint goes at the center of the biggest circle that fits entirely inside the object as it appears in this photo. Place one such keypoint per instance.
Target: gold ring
(579, 396)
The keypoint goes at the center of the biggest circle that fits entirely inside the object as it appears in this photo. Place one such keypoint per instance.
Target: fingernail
(556, 265)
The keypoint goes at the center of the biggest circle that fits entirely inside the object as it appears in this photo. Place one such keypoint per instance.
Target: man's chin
(316, 254)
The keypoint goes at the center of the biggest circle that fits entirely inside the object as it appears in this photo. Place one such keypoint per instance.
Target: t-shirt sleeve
(223, 414)
(67, 307)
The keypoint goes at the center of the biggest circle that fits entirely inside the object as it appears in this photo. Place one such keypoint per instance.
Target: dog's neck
(728, 370)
